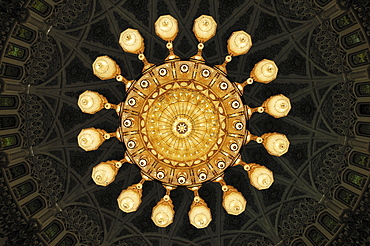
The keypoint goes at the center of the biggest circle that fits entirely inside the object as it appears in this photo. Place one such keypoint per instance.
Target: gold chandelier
(183, 122)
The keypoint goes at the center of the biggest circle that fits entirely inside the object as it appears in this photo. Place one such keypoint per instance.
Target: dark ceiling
(320, 195)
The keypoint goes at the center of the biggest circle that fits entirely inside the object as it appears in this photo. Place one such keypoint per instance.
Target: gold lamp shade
(130, 199)
(91, 102)
(166, 27)
(276, 144)
(264, 71)
(204, 28)
(104, 173)
(131, 41)
(90, 138)
(199, 214)
(260, 176)
(277, 106)
(105, 67)
(233, 202)
(239, 43)
(163, 212)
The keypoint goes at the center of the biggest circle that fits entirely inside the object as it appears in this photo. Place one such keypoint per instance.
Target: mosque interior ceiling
(320, 192)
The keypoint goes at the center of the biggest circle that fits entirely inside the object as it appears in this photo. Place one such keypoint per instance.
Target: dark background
(320, 195)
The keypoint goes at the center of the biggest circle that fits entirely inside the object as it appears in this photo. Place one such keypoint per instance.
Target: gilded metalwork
(184, 122)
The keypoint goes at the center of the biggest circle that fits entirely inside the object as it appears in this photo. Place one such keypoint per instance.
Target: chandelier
(183, 122)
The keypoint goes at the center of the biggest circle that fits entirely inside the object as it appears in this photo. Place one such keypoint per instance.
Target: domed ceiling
(320, 194)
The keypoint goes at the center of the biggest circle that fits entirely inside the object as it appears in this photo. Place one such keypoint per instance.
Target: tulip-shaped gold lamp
(277, 106)
(276, 144)
(163, 212)
(204, 29)
(91, 138)
(238, 44)
(130, 199)
(259, 176)
(131, 41)
(105, 68)
(91, 102)
(233, 201)
(104, 173)
(166, 28)
(264, 71)
(199, 214)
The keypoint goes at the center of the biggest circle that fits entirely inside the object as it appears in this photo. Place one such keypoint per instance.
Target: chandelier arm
(222, 67)
(163, 213)
(222, 182)
(171, 55)
(241, 86)
(199, 214)
(110, 106)
(198, 57)
(122, 79)
(251, 137)
(127, 158)
(251, 111)
(147, 64)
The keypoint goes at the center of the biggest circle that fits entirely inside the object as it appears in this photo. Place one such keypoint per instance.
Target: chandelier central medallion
(186, 119)
(183, 122)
